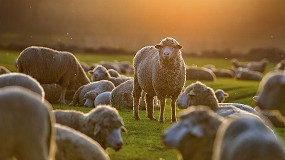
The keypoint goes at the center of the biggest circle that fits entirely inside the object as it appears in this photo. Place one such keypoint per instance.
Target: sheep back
(195, 73)
(121, 96)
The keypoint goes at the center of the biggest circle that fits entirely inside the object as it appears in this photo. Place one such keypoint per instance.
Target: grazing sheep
(4, 70)
(93, 89)
(103, 98)
(103, 124)
(49, 66)
(225, 73)
(237, 64)
(125, 67)
(73, 145)
(271, 92)
(257, 66)
(121, 96)
(247, 138)
(195, 73)
(113, 73)
(27, 125)
(193, 136)
(23, 80)
(280, 65)
(200, 94)
(221, 95)
(109, 65)
(159, 71)
(101, 73)
(53, 91)
(244, 74)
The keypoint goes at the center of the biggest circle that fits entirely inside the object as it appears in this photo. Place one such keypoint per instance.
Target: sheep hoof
(152, 118)
(137, 118)
(161, 120)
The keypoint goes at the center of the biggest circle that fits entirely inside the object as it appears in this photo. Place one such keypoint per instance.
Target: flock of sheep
(207, 128)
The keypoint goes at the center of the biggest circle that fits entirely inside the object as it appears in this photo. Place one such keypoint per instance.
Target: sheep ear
(123, 129)
(91, 72)
(97, 129)
(197, 131)
(226, 95)
(255, 98)
(158, 46)
(179, 46)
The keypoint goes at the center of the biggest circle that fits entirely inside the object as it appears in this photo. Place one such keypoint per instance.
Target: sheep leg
(62, 96)
(137, 91)
(173, 109)
(149, 106)
(162, 105)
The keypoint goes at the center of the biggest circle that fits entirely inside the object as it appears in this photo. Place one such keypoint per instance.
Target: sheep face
(221, 95)
(271, 93)
(195, 124)
(99, 73)
(168, 49)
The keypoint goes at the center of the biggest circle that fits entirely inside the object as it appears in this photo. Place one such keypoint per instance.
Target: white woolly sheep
(110, 65)
(159, 71)
(195, 73)
(4, 70)
(247, 138)
(53, 91)
(103, 98)
(271, 92)
(221, 95)
(226, 73)
(27, 125)
(73, 145)
(94, 89)
(193, 136)
(200, 94)
(245, 74)
(237, 64)
(125, 67)
(101, 73)
(257, 66)
(103, 124)
(113, 73)
(49, 66)
(23, 80)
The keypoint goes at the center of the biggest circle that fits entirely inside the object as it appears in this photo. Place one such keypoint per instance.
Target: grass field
(143, 138)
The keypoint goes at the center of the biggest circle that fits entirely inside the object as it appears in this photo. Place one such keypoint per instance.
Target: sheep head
(271, 92)
(106, 126)
(197, 125)
(99, 73)
(197, 94)
(168, 48)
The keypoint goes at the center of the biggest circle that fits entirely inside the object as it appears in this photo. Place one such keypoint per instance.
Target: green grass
(142, 141)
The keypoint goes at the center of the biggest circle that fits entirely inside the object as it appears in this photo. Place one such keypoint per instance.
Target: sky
(131, 24)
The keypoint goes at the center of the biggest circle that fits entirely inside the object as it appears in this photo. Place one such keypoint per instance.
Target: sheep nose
(166, 54)
(119, 146)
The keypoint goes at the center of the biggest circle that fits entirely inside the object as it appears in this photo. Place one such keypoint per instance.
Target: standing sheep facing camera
(22, 80)
(159, 71)
(50, 66)
(247, 138)
(103, 124)
(27, 125)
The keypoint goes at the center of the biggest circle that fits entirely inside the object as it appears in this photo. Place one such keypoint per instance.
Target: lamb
(103, 98)
(4, 70)
(221, 95)
(49, 66)
(271, 92)
(101, 73)
(195, 73)
(200, 94)
(244, 74)
(53, 91)
(27, 125)
(247, 138)
(92, 90)
(23, 80)
(103, 124)
(73, 145)
(193, 136)
(159, 71)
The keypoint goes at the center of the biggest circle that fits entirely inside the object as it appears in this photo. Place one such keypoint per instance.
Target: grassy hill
(143, 138)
